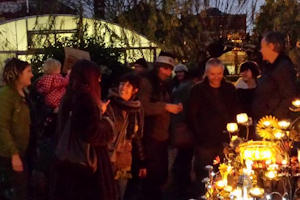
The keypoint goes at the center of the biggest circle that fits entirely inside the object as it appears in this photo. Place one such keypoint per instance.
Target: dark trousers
(13, 185)
(72, 182)
(182, 170)
(157, 168)
(134, 185)
(205, 156)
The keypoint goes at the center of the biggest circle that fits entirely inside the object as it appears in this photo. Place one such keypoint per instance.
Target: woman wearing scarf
(127, 116)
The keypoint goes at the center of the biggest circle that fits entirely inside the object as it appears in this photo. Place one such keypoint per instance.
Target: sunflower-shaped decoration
(267, 127)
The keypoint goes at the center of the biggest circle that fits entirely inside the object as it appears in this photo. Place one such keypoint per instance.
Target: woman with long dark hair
(14, 130)
(83, 101)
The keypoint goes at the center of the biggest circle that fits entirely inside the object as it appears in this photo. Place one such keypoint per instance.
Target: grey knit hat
(180, 68)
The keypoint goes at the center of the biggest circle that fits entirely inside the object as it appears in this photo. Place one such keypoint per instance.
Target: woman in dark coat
(126, 113)
(246, 85)
(83, 100)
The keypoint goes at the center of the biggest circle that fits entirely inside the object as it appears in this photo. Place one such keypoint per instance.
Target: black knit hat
(142, 62)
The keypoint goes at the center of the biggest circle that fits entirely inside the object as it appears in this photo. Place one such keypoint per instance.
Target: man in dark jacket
(213, 104)
(154, 97)
(277, 86)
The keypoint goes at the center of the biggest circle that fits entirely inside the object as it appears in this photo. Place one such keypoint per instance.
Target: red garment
(53, 87)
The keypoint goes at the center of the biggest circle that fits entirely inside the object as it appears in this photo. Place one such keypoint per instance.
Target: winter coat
(210, 109)
(53, 87)
(14, 122)
(128, 119)
(275, 90)
(154, 96)
(88, 124)
(245, 95)
(180, 94)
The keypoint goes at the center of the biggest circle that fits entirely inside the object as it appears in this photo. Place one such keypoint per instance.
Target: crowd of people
(118, 148)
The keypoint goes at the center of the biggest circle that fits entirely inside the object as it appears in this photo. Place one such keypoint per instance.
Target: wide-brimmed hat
(165, 59)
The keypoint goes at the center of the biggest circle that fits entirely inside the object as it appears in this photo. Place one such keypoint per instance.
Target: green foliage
(177, 26)
(107, 58)
(100, 52)
(279, 15)
(179, 34)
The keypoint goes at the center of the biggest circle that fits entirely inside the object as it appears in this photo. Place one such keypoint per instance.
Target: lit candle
(271, 174)
(221, 183)
(228, 188)
(257, 192)
(266, 123)
(242, 118)
(284, 162)
(279, 135)
(232, 127)
(237, 193)
(284, 124)
(296, 103)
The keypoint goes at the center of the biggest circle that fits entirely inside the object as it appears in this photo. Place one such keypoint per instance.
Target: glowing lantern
(296, 103)
(221, 184)
(279, 134)
(284, 162)
(257, 192)
(237, 193)
(228, 188)
(266, 123)
(232, 127)
(242, 118)
(271, 174)
(284, 124)
(258, 151)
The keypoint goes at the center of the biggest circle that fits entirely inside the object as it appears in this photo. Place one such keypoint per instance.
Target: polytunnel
(27, 36)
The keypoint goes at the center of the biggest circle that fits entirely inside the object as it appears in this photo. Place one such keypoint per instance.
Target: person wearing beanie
(180, 72)
(181, 136)
(180, 68)
(157, 107)
(140, 66)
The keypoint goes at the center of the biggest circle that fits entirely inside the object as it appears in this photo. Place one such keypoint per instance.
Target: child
(52, 84)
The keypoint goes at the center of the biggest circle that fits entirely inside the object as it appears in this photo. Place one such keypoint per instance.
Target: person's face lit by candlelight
(126, 90)
(215, 75)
